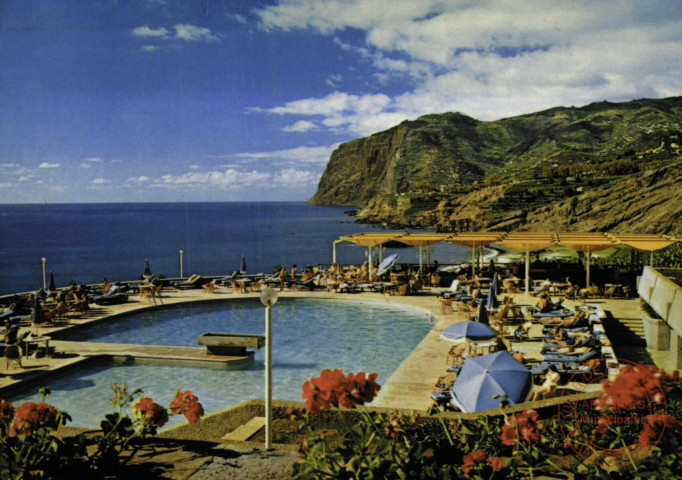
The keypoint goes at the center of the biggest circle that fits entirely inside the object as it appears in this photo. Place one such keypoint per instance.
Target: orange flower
(497, 463)
(471, 460)
(526, 425)
(152, 414)
(333, 389)
(31, 416)
(188, 405)
(654, 424)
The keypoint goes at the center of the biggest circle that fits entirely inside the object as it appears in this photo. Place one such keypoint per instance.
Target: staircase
(627, 338)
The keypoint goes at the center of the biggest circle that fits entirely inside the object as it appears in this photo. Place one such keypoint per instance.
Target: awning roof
(370, 239)
(475, 239)
(644, 243)
(586, 242)
(528, 241)
(520, 241)
(422, 239)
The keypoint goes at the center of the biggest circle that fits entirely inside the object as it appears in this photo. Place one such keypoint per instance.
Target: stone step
(246, 431)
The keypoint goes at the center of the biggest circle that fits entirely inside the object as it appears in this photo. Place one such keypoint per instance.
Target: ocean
(85, 242)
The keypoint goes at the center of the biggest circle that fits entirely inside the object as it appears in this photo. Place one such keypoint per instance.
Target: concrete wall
(664, 297)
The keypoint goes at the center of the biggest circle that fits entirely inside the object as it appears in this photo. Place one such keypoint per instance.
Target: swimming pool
(308, 336)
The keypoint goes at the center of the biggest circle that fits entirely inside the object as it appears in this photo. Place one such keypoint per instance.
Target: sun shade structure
(461, 331)
(422, 240)
(527, 242)
(587, 243)
(387, 263)
(475, 240)
(644, 243)
(368, 240)
(488, 376)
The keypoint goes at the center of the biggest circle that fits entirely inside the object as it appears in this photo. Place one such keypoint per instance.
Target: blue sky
(210, 100)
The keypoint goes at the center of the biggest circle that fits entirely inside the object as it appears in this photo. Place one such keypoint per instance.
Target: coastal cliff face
(602, 167)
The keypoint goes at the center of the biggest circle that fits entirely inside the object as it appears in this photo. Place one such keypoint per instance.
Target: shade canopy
(495, 287)
(51, 286)
(475, 239)
(586, 242)
(422, 240)
(37, 316)
(644, 243)
(491, 302)
(147, 271)
(387, 263)
(369, 239)
(528, 241)
(488, 376)
(461, 331)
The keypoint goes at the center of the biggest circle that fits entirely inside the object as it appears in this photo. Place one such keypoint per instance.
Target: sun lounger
(195, 281)
(227, 281)
(568, 358)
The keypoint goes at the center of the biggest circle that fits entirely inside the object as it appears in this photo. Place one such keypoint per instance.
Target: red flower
(31, 416)
(526, 425)
(188, 405)
(635, 385)
(497, 463)
(152, 414)
(333, 389)
(471, 460)
(602, 426)
(654, 424)
(6, 412)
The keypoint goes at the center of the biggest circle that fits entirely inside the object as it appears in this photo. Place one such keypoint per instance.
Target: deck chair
(13, 351)
(209, 287)
(568, 358)
(454, 286)
(522, 332)
(457, 353)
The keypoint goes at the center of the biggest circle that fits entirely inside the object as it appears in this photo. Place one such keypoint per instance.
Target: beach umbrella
(496, 284)
(485, 377)
(51, 286)
(387, 263)
(147, 271)
(468, 331)
(37, 316)
(492, 302)
(482, 316)
(242, 265)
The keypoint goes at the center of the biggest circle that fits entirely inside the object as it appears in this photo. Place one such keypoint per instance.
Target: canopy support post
(370, 264)
(527, 273)
(420, 260)
(473, 262)
(428, 257)
(334, 253)
(651, 260)
(587, 280)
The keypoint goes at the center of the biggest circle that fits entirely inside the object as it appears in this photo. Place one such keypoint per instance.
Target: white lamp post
(44, 277)
(268, 297)
(181, 252)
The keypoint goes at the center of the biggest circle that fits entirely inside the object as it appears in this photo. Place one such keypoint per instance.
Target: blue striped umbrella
(51, 287)
(242, 265)
(482, 316)
(492, 302)
(147, 271)
(488, 376)
(468, 331)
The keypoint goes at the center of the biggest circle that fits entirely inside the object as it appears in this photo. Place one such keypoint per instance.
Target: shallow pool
(308, 336)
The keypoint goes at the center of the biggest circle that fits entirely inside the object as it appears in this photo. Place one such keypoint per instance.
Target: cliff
(605, 166)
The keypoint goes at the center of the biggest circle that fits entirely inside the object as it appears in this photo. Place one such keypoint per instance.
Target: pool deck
(408, 387)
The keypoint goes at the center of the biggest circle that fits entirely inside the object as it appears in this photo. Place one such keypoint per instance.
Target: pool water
(308, 336)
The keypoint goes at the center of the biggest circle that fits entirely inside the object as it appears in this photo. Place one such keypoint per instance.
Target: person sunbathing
(545, 304)
(543, 287)
(563, 339)
(568, 322)
(549, 386)
(570, 350)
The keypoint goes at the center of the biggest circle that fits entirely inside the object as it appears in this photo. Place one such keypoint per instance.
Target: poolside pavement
(409, 386)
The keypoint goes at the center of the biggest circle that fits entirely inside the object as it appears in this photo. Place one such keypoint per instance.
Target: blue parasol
(482, 316)
(242, 265)
(468, 331)
(496, 284)
(37, 316)
(387, 264)
(492, 302)
(147, 271)
(482, 378)
(51, 287)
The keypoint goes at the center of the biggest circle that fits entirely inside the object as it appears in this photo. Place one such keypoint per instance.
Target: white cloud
(100, 181)
(195, 167)
(300, 126)
(85, 165)
(298, 155)
(24, 178)
(150, 48)
(39, 182)
(239, 18)
(140, 179)
(192, 33)
(146, 31)
(290, 177)
(10, 165)
(49, 165)
(230, 179)
(93, 159)
(489, 59)
(183, 31)
(334, 80)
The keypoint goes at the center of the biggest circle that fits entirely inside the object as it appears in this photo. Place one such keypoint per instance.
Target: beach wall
(661, 309)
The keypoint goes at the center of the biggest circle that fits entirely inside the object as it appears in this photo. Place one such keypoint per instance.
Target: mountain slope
(453, 172)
